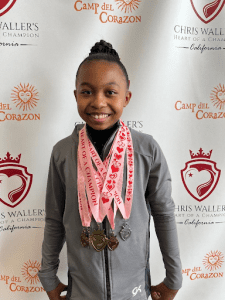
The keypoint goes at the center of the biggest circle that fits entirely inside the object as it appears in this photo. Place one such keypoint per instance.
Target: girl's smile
(101, 93)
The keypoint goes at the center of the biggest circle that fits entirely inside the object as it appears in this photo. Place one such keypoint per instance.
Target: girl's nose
(98, 101)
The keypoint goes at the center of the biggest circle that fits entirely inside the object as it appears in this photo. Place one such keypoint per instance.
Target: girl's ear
(127, 98)
(75, 94)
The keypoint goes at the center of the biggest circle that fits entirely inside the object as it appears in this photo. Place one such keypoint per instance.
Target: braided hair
(104, 51)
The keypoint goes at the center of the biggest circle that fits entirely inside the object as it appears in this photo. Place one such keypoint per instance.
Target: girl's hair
(104, 51)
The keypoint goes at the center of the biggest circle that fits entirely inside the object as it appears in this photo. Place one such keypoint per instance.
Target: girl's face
(101, 93)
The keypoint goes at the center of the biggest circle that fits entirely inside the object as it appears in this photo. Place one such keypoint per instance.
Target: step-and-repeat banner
(174, 52)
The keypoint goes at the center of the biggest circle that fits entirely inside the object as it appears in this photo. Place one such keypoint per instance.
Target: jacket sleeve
(158, 196)
(54, 232)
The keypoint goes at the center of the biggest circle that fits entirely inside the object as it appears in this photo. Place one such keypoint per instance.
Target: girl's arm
(158, 195)
(54, 233)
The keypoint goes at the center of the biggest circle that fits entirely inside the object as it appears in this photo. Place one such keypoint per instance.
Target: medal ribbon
(101, 182)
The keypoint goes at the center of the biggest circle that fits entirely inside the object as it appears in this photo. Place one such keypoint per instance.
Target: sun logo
(128, 5)
(213, 260)
(218, 96)
(30, 271)
(25, 96)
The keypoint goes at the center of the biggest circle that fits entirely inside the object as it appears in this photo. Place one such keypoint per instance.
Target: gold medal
(113, 242)
(84, 238)
(98, 240)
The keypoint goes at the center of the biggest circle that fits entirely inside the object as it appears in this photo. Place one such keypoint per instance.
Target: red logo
(218, 96)
(5, 6)
(213, 260)
(200, 175)
(127, 5)
(30, 271)
(15, 181)
(25, 96)
(207, 10)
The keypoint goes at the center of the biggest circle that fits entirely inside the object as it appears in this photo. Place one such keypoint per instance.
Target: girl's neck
(100, 137)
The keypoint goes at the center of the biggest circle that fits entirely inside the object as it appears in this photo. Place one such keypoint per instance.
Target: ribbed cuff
(171, 285)
(48, 280)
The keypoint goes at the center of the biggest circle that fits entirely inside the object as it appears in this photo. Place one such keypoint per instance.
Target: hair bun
(104, 47)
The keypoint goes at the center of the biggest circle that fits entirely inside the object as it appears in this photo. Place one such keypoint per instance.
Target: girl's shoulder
(144, 143)
(64, 146)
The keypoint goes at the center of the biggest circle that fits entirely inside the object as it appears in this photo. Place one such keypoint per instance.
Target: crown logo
(200, 154)
(10, 159)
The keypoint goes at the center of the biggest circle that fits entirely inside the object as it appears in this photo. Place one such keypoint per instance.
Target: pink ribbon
(99, 183)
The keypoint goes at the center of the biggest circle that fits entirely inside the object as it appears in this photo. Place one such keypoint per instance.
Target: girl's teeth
(99, 116)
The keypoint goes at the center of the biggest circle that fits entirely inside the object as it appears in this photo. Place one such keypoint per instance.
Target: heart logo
(98, 240)
(207, 10)
(128, 199)
(25, 96)
(129, 192)
(130, 155)
(105, 200)
(113, 175)
(122, 137)
(121, 144)
(213, 259)
(130, 182)
(6, 5)
(221, 96)
(8, 185)
(32, 271)
(114, 169)
(113, 243)
(195, 180)
(119, 149)
(128, 1)
(117, 156)
(109, 187)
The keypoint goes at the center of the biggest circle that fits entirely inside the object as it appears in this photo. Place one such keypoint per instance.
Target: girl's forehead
(100, 69)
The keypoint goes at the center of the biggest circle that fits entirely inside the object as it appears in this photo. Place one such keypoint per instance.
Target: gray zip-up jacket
(124, 273)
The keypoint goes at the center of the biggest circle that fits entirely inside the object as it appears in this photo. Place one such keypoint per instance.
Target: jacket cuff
(171, 285)
(49, 280)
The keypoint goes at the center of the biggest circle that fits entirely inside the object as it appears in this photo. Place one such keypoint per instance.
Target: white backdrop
(174, 54)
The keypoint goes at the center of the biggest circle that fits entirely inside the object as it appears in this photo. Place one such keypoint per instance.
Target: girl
(104, 183)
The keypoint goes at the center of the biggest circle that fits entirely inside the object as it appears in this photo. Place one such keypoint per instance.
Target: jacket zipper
(106, 257)
(108, 289)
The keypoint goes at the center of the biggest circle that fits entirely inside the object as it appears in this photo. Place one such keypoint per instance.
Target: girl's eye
(86, 92)
(111, 92)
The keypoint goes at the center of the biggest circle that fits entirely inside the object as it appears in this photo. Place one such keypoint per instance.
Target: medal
(98, 240)
(113, 242)
(125, 232)
(84, 238)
